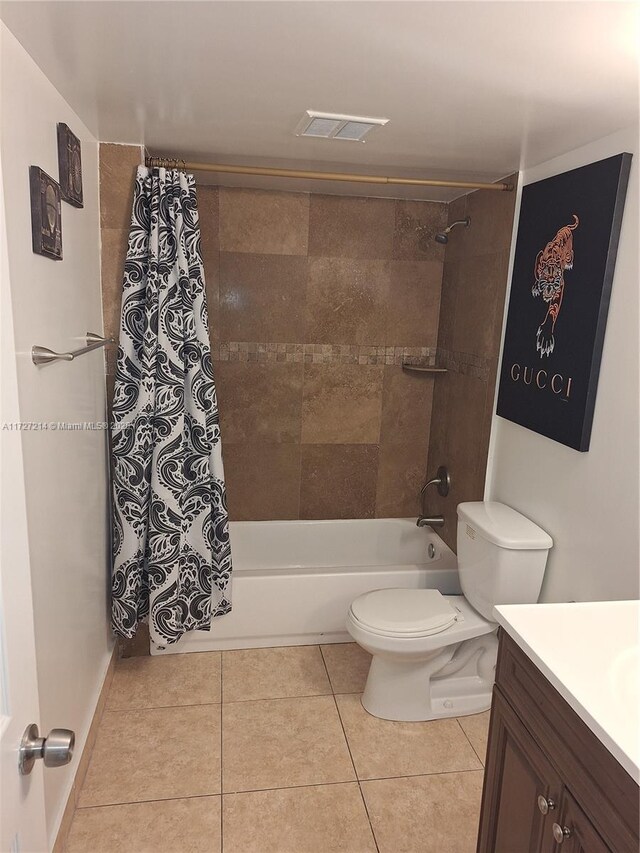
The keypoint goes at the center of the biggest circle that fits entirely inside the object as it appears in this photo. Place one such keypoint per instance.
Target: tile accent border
(476, 366)
(83, 763)
(250, 351)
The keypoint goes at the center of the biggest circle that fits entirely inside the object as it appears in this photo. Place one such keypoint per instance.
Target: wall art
(69, 166)
(46, 214)
(560, 288)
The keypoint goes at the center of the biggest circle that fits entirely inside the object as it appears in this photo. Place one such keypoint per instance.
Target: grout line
(162, 707)
(326, 669)
(280, 788)
(469, 742)
(346, 740)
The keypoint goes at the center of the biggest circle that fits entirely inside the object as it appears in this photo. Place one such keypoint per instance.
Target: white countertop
(589, 652)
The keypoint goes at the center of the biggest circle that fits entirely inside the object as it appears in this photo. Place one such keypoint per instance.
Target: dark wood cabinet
(550, 785)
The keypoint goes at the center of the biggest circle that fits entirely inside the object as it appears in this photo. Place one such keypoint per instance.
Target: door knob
(561, 832)
(56, 749)
(545, 805)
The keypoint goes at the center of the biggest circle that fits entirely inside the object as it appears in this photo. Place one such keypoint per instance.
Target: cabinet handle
(561, 832)
(546, 805)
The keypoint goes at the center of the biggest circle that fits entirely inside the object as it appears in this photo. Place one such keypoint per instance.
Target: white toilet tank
(501, 556)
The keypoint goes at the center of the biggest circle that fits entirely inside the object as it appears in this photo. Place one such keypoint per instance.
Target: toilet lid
(404, 611)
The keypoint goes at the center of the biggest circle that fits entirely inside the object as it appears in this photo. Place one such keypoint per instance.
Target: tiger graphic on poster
(549, 269)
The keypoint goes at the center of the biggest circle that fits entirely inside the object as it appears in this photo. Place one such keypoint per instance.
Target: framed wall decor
(69, 166)
(46, 214)
(563, 269)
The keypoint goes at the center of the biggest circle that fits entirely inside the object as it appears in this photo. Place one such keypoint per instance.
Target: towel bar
(42, 355)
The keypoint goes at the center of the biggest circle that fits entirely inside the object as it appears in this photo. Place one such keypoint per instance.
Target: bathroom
(356, 336)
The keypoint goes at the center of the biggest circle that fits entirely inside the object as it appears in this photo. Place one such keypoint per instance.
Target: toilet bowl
(434, 655)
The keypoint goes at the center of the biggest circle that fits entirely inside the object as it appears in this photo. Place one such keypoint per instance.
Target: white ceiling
(472, 89)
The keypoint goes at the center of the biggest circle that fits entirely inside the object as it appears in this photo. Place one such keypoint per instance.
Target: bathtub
(293, 581)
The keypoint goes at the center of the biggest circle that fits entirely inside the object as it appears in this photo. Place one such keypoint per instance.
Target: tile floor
(270, 751)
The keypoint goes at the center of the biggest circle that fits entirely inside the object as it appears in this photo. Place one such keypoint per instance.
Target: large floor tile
(348, 666)
(164, 753)
(324, 819)
(280, 743)
(382, 748)
(157, 682)
(168, 826)
(273, 673)
(425, 814)
(476, 728)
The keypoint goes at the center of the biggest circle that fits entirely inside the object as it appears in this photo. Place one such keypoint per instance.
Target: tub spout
(430, 521)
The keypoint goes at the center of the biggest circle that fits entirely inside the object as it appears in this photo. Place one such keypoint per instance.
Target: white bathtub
(293, 581)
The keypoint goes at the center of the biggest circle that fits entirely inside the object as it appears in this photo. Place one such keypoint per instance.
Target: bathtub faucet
(430, 521)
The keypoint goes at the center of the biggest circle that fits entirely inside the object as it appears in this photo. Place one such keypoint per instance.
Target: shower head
(442, 236)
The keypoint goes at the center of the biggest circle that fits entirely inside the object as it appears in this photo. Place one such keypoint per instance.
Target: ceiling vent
(337, 126)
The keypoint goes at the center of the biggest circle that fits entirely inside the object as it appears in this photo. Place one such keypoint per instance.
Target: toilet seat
(403, 612)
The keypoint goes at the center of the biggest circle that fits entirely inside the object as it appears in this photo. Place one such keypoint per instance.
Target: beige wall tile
(273, 673)
(351, 227)
(347, 301)
(262, 297)
(347, 665)
(209, 225)
(323, 819)
(259, 402)
(417, 223)
(414, 303)
(458, 240)
(112, 254)
(476, 327)
(401, 474)
(382, 748)
(491, 222)
(448, 302)
(338, 480)
(263, 481)
(406, 406)
(164, 826)
(425, 814)
(281, 743)
(164, 681)
(263, 222)
(476, 728)
(460, 449)
(341, 403)
(157, 754)
(118, 164)
(137, 646)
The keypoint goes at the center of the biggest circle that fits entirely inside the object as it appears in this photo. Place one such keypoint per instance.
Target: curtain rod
(172, 163)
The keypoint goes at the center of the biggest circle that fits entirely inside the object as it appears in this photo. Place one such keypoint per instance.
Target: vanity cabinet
(550, 785)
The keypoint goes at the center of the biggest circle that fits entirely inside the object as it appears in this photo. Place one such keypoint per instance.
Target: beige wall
(473, 293)
(589, 503)
(314, 302)
(54, 304)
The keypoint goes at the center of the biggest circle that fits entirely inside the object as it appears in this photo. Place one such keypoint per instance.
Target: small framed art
(69, 166)
(46, 214)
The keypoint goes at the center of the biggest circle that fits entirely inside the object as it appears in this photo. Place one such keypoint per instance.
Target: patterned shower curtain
(171, 552)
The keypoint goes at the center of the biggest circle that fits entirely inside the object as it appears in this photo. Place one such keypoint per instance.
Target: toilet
(435, 655)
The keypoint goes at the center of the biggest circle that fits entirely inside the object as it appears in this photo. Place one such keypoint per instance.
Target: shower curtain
(171, 551)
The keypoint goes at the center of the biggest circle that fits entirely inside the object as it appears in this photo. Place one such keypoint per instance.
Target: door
(521, 789)
(574, 832)
(22, 816)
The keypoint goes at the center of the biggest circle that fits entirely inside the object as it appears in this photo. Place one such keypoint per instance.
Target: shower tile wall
(314, 302)
(473, 292)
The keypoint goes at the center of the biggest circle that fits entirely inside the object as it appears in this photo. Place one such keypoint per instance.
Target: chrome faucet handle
(442, 480)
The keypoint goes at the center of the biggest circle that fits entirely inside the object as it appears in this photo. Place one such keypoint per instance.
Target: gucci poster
(563, 269)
